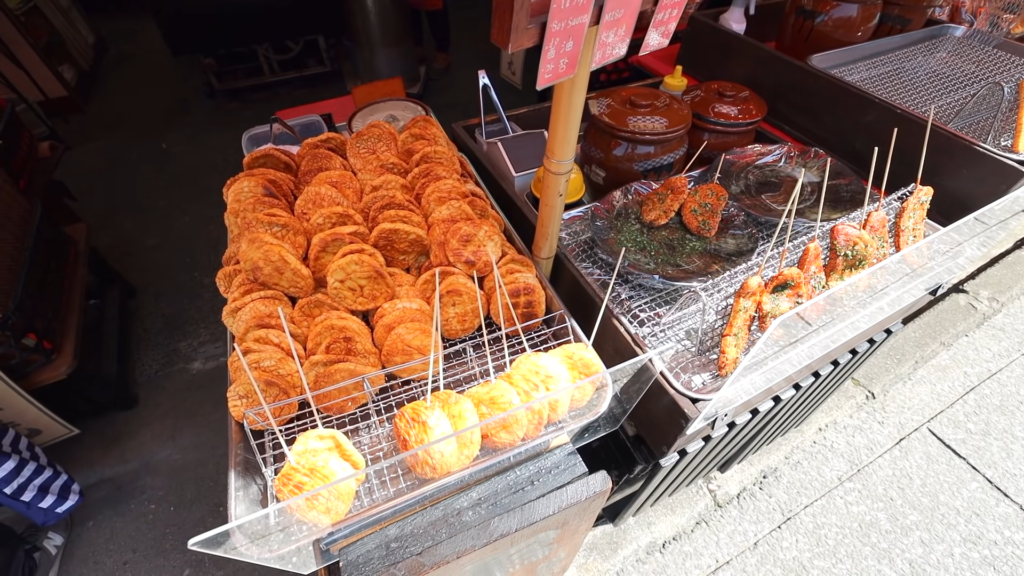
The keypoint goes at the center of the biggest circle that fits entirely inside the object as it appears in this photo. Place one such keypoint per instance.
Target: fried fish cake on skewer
(912, 216)
(461, 414)
(492, 398)
(419, 423)
(737, 329)
(851, 251)
(813, 267)
(582, 362)
(877, 227)
(307, 470)
(785, 291)
(702, 209)
(660, 204)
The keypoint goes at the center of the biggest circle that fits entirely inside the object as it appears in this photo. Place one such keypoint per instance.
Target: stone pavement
(913, 467)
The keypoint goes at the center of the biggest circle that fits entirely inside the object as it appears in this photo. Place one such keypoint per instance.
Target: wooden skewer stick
(433, 331)
(719, 169)
(611, 286)
(440, 340)
(821, 201)
(867, 192)
(263, 402)
(694, 159)
(501, 320)
(782, 220)
(500, 285)
(885, 173)
(302, 373)
(483, 328)
(924, 149)
(789, 229)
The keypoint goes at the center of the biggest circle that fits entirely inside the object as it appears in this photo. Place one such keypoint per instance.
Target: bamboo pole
(563, 131)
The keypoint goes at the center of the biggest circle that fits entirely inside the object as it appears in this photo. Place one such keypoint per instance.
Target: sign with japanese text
(663, 25)
(617, 23)
(563, 40)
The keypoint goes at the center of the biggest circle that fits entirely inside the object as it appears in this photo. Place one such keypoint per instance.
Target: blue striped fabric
(31, 484)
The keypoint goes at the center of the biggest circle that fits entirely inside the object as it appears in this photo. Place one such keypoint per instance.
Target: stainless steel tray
(941, 66)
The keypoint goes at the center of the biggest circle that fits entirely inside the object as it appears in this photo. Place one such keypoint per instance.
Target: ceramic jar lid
(725, 104)
(638, 112)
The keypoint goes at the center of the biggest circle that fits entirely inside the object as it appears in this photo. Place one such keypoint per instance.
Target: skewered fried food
(550, 373)
(784, 291)
(461, 414)
(398, 305)
(408, 343)
(323, 247)
(371, 200)
(401, 217)
(424, 176)
(270, 363)
(337, 143)
(273, 159)
(737, 329)
(582, 362)
(278, 224)
(877, 227)
(813, 268)
(277, 339)
(851, 251)
(343, 181)
(243, 286)
(382, 166)
(493, 398)
(242, 398)
(419, 423)
(400, 244)
(313, 162)
(389, 182)
(310, 308)
(702, 209)
(276, 268)
(364, 249)
(316, 197)
(358, 282)
(435, 155)
(332, 398)
(331, 440)
(308, 470)
(528, 300)
(230, 257)
(528, 390)
(459, 311)
(471, 247)
(912, 216)
(282, 183)
(390, 203)
(327, 218)
(387, 324)
(250, 187)
(234, 306)
(225, 277)
(660, 204)
(425, 284)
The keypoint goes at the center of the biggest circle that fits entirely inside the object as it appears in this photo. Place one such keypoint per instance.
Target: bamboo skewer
(433, 330)
(440, 340)
(782, 220)
(867, 192)
(302, 373)
(263, 402)
(501, 320)
(821, 201)
(885, 173)
(789, 229)
(924, 149)
(611, 286)
(719, 169)
(483, 328)
(499, 284)
(559, 155)
(694, 159)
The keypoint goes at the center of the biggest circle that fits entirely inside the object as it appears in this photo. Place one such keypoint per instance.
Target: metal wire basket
(689, 319)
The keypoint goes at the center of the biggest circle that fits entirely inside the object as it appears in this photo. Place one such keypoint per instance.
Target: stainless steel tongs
(484, 82)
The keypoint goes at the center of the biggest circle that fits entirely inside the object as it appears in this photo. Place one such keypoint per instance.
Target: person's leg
(441, 30)
(15, 558)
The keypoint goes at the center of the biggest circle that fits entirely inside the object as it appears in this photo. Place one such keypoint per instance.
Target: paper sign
(617, 23)
(512, 67)
(563, 40)
(663, 25)
(31, 419)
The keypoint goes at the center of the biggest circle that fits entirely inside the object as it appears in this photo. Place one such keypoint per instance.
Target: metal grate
(691, 318)
(948, 72)
(369, 427)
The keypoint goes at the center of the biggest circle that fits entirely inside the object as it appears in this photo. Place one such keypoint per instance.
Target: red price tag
(563, 40)
(617, 23)
(663, 25)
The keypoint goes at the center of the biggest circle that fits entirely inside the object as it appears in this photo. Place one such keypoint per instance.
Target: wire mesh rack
(467, 362)
(689, 318)
(973, 85)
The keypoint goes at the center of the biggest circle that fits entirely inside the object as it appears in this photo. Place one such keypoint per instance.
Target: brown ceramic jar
(815, 26)
(725, 115)
(633, 134)
(899, 16)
